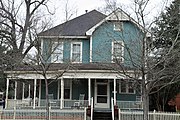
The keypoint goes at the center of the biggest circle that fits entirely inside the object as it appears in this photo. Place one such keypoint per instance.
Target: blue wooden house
(97, 55)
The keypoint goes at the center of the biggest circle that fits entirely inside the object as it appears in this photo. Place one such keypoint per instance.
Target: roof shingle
(77, 26)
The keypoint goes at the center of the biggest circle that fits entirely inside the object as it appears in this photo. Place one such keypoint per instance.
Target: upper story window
(126, 86)
(118, 51)
(57, 52)
(76, 52)
(118, 26)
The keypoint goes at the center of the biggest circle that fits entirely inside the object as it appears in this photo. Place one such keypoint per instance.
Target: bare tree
(44, 64)
(20, 21)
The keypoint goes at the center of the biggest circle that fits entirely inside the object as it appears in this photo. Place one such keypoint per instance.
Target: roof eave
(65, 37)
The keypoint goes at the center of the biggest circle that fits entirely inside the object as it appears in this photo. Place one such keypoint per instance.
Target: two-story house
(97, 55)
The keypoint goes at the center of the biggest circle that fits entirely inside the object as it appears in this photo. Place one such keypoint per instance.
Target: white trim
(7, 90)
(80, 51)
(62, 93)
(89, 91)
(29, 91)
(15, 91)
(64, 37)
(90, 49)
(115, 91)
(42, 44)
(34, 100)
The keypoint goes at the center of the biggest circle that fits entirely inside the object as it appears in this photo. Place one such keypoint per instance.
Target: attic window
(118, 26)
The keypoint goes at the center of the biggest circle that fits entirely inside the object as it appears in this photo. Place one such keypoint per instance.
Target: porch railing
(53, 103)
(130, 105)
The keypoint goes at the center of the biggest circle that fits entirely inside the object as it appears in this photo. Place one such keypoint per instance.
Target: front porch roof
(71, 66)
(80, 70)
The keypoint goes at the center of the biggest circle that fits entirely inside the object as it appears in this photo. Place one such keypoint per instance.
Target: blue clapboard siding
(104, 35)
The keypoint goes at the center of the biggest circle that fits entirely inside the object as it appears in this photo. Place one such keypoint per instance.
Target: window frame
(80, 59)
(55, 53)
(122, 54)
(127, 81)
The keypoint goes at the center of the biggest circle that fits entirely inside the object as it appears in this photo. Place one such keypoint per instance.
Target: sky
(78, 7)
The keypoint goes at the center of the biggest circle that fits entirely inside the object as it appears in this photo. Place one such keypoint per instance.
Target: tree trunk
(145, 105)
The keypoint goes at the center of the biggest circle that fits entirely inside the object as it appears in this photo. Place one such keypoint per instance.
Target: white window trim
(115, 28)
(122, 57)
(80, 51)
(127, 88)
(57, 42)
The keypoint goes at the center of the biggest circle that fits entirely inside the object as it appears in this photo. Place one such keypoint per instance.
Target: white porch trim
(7, 92)
(89, 91)
(15, 91)
(115, 91)
(62, 93)
(34, 100)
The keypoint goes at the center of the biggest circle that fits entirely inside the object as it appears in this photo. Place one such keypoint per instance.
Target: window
(126, 86)
(76, 52)
(117, 51)
(118, 26)
(57, 52)
(67, 89)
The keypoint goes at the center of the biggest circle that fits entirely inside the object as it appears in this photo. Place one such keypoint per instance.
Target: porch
(65, 94)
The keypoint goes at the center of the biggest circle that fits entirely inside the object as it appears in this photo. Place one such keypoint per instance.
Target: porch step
(102, 115)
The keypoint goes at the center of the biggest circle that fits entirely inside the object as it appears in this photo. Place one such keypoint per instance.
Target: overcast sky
(79, 6)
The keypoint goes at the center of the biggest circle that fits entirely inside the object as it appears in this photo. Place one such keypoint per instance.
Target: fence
(132, 115)
(41, 114)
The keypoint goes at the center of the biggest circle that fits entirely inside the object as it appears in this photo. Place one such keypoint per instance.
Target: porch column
(7, 90)
(89, 91)
(115, 91)
(34, 101)
(29, 91)
(23, 91)
(58, 91)
(39, 101)
(62, 93)
(15, 91)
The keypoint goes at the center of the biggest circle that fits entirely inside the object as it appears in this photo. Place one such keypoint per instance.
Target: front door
(101, 93)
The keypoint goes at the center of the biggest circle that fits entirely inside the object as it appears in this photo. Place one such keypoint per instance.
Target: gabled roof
(117, 15)
(77, 26)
